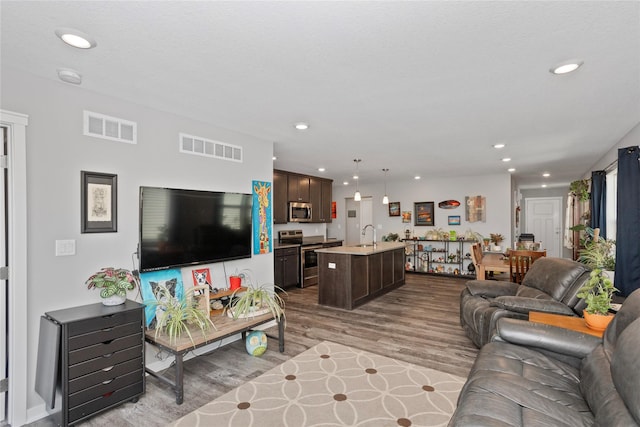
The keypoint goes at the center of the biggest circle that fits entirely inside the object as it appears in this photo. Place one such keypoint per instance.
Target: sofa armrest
(491, 288)
(525, 305)
(545, 337)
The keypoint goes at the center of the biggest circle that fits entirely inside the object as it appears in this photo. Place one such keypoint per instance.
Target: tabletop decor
(114, 284)
(597, 293)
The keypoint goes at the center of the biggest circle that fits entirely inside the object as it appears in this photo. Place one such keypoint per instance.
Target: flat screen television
(189, 227)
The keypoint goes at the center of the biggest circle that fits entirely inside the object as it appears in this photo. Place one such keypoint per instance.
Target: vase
(597, 322)
(114, 300)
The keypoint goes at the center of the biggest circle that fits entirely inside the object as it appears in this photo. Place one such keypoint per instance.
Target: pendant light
(357, 197)
(385, 199)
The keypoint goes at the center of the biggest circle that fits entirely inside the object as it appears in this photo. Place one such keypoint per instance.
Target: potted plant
(175, 316)
(580, 189)
(598, 252)
(114, 282)
(597, 293)
(496, 239)
(255, 301)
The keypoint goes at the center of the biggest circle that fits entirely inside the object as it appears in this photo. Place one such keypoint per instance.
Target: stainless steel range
(308, 257)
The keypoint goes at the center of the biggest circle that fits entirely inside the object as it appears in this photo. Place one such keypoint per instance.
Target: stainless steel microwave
(299, 212)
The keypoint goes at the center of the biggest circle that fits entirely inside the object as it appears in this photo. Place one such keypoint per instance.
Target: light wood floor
(417, 323)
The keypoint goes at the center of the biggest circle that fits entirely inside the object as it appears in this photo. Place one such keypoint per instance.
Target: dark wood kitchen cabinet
(286, 267)
(280, 197)
(298, 188)
(320, 193)
(90, 359)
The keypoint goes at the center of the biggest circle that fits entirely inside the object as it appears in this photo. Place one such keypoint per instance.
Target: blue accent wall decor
(261, 217)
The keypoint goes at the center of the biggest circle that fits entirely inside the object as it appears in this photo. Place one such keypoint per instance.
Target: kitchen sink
(365, 245)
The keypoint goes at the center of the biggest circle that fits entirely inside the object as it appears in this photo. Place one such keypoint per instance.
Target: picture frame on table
(454, 219)
(394, 208)
(423, 213)
(98, 202)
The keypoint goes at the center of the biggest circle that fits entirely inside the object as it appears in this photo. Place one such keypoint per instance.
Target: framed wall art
(99, 202)
(423, 213)
(394, 208)
(454, 219)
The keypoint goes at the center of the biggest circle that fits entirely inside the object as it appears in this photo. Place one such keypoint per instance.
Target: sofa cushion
(491, 288)
(514, 385)
(625, 369)
(525, 305)
(555, 276)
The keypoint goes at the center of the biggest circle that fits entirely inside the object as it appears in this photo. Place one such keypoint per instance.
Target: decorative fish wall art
(448, 204)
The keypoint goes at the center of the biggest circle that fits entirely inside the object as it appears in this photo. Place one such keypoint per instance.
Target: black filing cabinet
(100, 359)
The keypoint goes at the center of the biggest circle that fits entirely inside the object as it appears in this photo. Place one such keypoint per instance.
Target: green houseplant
(178, 315)
(597, 293)
(580, 189)
(597, 252)
(256, 300)
(114, 284)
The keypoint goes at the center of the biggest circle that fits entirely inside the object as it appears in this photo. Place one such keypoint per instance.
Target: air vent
(111, 128)
(205, 147)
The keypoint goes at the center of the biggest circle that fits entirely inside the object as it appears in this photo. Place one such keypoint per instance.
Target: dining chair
(520, 261)
(476, 257)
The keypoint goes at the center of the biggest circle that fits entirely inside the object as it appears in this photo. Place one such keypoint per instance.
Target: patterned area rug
(334, 385)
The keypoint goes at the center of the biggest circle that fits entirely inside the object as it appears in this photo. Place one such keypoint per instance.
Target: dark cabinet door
(286, 267)
(315, 197)
(326, 190)
(298, 188)
(280, 202)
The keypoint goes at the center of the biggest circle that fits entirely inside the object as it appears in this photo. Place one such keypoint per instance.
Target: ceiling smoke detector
(69, 76)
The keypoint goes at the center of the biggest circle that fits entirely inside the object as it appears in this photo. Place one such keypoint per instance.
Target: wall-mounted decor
(454, 219)
(99, 202)
(475, 209)
(334, 210)
(423, 212)
(406, 216)
(351, 213)
(261, 217)
(448, 204)
(394, 209)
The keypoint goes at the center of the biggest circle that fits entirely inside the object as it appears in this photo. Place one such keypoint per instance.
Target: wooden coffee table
(566, 322)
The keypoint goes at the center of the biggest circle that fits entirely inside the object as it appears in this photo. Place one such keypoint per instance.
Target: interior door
(543, 219)
(366, 217)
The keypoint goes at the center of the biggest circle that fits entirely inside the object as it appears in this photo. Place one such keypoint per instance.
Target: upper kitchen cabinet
(298, 188)
(321, 193)
(280, 199)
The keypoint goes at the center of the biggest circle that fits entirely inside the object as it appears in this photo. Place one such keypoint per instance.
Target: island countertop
(363, 249)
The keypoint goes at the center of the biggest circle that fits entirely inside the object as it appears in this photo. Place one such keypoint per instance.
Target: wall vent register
(205, 147)
(110, 128)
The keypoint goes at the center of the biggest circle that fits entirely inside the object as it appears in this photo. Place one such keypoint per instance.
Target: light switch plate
(332, 265)
(65, 247)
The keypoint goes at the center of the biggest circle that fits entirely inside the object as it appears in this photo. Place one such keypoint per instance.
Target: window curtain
(599, 201)
(627, 277)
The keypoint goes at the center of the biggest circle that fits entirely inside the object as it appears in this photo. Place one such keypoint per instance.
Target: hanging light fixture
(357, 197)
(385, 199)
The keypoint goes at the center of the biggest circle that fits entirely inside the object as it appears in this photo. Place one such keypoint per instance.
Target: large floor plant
(177, 316)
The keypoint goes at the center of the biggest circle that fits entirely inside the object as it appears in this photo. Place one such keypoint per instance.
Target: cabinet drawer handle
(107, 381)
(108, 368)
(108, 316)
(107, 355)
(106, 329)
(107, 342)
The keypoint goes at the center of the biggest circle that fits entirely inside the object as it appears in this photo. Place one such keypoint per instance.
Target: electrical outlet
(65, 247)
(332, 265)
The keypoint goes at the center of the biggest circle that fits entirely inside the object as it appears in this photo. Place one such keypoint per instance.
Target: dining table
(492, 262)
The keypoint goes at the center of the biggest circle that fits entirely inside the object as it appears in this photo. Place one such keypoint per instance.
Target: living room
(55, 151)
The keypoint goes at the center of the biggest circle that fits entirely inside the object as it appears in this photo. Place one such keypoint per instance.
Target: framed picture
(150, 283)
(454, 219)
(406, 217)
(394, 208)
(99, 202)
(423, 213)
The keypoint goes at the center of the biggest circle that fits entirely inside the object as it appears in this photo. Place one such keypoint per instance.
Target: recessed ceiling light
(506, 159)
(76, 38)
(416, 177)
(498, 145)
(511, 170)
(302, 126)
(355, 176)
(321, 169)
(546, 174)
(544, 185)
(566, 67)
(345, 183)
(274, 158)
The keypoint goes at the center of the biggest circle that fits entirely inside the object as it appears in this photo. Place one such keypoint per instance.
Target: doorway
(543, 220)
(359, 214)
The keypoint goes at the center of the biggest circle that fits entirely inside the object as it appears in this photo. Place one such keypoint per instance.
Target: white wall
(57, 152)
(496, 188)
(632, 138)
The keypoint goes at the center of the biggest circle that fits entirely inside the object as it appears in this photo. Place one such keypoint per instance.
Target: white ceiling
(417, 87)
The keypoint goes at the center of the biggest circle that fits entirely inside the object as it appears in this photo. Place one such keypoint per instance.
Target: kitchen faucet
(364, 231)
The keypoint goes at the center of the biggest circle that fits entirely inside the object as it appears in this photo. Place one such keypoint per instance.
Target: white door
(366, 217)
(543, 220)
(359, 214)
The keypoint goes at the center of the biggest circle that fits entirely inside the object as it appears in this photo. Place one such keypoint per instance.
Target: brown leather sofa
(550, 285)
(534, 375)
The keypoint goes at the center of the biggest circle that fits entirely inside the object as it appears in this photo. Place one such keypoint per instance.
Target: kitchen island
(352, 275)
